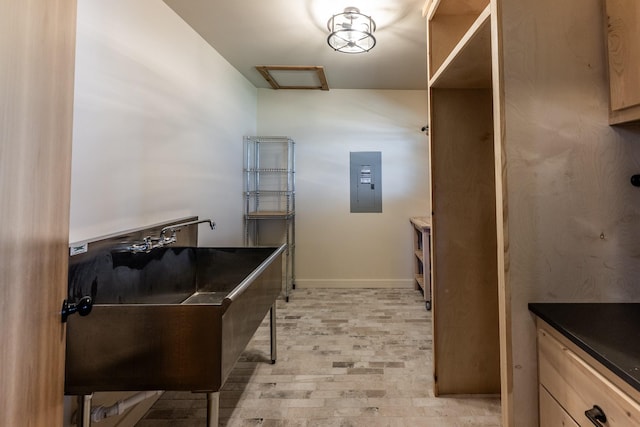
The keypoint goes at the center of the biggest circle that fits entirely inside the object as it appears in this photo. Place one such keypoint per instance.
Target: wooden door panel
(37, 47)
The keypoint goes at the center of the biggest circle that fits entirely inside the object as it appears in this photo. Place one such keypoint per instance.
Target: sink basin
(176, 318)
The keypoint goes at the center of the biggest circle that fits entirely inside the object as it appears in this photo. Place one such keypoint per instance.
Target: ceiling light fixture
(351, 31)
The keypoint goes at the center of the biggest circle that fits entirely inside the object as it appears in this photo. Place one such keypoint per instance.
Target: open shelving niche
(463, 198)
(269, 198)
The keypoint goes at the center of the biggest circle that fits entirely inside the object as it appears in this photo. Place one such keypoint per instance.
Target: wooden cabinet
(463, 198)
(422, 262)
(623, 48)
(572, 383)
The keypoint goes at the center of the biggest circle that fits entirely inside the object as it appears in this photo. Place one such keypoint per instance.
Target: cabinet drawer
(577, 387)
(551, 413)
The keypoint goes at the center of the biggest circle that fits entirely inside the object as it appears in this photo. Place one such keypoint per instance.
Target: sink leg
(84, 410)
(213, 407)
(273, 334)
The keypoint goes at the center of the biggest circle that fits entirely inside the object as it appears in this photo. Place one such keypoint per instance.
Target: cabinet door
(623, 41)
(551, 413)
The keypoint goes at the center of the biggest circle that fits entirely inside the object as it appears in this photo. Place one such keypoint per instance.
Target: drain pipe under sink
(100, 413)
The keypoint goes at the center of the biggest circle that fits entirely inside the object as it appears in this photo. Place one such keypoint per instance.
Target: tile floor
(346, 358)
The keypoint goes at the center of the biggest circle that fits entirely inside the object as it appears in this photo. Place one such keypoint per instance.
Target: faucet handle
(168, 240)
(145, 246)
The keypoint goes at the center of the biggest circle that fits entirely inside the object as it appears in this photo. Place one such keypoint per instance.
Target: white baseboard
(354, 283)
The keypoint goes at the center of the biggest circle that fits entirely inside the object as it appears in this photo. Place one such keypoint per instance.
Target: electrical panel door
(366, 181)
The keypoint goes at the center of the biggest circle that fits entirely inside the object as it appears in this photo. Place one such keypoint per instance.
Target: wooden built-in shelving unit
(463, 198)
(517, 88)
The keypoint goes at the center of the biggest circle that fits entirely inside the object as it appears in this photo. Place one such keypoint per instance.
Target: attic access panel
(294, 77)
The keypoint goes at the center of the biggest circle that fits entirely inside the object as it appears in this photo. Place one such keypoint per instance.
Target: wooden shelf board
(455, 7)
(421, 222)
(469, 63)
(420, 280)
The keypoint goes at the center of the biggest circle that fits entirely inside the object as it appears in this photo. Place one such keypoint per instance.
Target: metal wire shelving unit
(269, 197)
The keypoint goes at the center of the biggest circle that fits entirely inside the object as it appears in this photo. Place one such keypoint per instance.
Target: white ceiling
(248, 33)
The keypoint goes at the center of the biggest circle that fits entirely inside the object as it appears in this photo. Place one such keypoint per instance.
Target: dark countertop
(608, 332)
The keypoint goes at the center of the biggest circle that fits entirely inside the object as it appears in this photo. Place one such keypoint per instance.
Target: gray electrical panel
(366, 181)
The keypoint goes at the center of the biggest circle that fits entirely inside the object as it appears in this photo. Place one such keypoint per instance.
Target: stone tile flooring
(346, 358)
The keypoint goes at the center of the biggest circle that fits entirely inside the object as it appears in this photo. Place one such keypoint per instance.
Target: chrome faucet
(145, 246)
(148, 243)
(164, 240)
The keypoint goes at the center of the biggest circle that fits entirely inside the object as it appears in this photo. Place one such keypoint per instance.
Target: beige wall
(574, 218)
(335, 247)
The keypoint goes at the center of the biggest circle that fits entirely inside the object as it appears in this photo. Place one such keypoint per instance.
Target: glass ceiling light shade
(351, 31)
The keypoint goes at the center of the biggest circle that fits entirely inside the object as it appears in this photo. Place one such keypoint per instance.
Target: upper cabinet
(623, 41)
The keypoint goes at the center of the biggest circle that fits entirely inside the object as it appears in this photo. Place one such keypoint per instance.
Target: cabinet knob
(596, 416)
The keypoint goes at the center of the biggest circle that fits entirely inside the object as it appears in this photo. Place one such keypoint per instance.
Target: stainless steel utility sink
(176, 318)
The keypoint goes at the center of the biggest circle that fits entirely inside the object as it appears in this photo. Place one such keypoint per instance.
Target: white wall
(574, 218)
(158, 124)
(335, 248)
